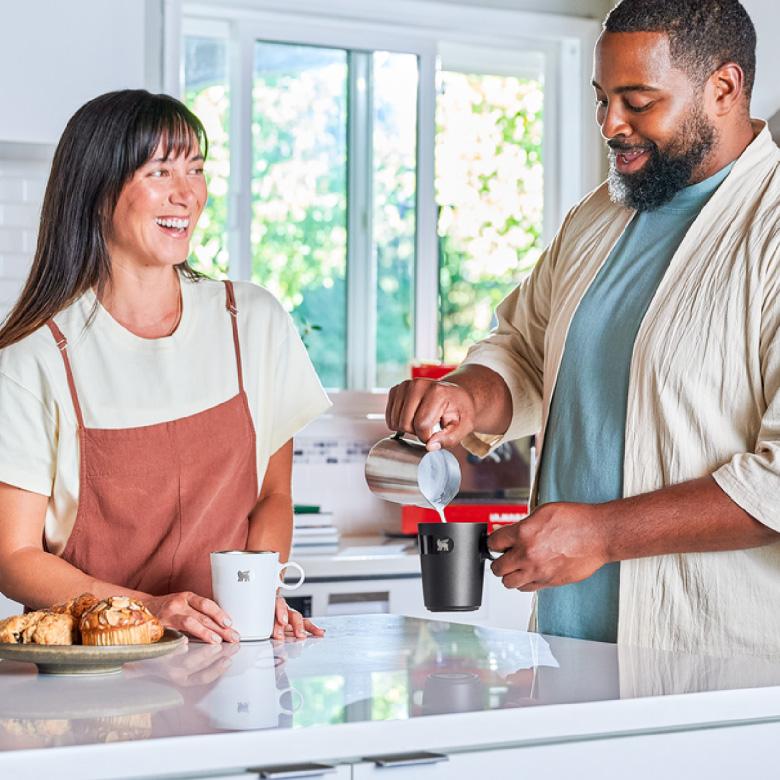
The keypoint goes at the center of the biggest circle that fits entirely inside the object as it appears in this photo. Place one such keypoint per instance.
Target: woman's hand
(290, 621)
(199, 617)
(199, 664)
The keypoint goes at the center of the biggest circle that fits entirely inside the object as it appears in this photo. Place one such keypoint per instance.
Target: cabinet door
(728, 752)
(312, 771)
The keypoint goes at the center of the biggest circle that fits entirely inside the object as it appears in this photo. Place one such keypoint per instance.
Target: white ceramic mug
(245, 583)
(247, 696)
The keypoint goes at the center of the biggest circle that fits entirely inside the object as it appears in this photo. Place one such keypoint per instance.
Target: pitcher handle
(399, 435)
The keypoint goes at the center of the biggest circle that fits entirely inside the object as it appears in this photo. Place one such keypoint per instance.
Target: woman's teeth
(178, 224)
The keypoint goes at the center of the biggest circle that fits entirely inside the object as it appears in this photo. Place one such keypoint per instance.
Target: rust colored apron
(154, 501)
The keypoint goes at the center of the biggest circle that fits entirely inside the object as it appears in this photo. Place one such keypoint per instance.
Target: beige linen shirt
(704, 395)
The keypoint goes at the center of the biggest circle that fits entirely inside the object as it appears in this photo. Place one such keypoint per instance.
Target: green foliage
(489, 191)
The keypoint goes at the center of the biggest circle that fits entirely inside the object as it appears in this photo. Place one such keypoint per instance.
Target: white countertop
(374, 684)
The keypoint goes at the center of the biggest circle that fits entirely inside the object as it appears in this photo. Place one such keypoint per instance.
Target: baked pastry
(120, 620)
(12, 628)
(46, 628)
(76, 606)
(40, 628)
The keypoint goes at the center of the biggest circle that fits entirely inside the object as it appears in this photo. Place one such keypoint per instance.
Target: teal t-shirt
(582, 459)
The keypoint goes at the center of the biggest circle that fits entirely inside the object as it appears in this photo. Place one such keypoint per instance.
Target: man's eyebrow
(628, 88)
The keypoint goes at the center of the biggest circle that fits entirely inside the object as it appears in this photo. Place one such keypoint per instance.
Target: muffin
(119, 620)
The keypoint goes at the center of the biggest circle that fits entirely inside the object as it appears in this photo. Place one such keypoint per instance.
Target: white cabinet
(289, 772)
(735, 751)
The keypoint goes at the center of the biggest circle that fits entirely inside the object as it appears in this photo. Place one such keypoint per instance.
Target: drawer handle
(293, 770)
(408, 759)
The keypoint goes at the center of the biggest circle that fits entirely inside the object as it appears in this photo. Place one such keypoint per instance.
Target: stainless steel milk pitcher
(403, 471)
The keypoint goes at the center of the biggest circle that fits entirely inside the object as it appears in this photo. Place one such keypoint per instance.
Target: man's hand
(558, 544)
(418, 405)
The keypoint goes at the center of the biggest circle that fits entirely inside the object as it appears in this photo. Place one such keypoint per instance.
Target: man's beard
(666, 171)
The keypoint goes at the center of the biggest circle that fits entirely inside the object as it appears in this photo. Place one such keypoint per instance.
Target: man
(644, 348)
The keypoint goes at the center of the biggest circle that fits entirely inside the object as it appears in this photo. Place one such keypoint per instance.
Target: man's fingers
(519, 579)
(532, 587)
(414, 401)
(388, 408)
(503, 538)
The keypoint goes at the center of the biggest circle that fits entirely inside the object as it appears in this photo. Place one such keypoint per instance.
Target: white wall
(593, 9)
(54, 56)
(766, 18)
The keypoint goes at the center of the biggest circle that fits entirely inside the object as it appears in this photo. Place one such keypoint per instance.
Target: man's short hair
(703, 34)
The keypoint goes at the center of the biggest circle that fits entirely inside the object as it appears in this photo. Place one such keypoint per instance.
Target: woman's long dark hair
(103, 144)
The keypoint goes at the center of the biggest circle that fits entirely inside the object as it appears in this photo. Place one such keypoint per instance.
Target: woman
(146, 412)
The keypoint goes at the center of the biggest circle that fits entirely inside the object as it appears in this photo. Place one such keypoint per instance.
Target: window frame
(572, 149)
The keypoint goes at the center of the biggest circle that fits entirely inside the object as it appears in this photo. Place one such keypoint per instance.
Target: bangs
(170, 124)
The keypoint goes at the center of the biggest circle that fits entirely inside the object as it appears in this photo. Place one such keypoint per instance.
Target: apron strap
(231, 307)
(62, 344)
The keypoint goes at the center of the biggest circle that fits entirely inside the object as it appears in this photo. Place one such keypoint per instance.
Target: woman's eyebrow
(195, 158)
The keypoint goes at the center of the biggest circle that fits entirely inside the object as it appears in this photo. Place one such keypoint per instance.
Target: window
(362, 173)
(489, 186)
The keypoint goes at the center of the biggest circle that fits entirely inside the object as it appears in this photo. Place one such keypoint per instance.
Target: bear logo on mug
(442, 545)
(244, 576)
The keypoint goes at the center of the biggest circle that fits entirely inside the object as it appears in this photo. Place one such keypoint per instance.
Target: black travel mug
(452, 561)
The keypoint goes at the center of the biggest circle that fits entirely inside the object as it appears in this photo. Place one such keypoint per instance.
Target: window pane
(299, 193)
(395, 169)
(206, 93)
(489, 180)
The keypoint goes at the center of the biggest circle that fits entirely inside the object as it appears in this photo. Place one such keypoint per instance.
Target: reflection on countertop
(366, 668)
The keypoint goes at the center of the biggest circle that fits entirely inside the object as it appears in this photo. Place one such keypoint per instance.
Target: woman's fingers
(212, 617)
(313, 629)
(195, 628)
(281, 618)
(296, 624)
(210, 608)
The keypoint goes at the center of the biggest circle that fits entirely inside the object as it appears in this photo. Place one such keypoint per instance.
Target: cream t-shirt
(125, 381)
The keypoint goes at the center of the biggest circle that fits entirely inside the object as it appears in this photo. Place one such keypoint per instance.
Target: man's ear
(727, 88)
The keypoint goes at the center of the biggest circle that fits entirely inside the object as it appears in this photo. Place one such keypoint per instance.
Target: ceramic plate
(86, 659)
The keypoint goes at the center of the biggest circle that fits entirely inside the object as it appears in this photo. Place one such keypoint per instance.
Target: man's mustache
(619, 146)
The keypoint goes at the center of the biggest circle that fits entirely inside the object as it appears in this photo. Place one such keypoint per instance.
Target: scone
(120, 620)
(76, 607)
(12, 629)
(46, 628)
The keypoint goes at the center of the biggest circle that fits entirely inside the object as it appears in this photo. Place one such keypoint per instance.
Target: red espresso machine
(493, 490)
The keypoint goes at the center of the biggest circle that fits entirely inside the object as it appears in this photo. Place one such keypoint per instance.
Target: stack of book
(313, 532)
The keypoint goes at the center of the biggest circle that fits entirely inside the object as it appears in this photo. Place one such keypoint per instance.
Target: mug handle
(293, 693)
(290, 564)
(484, 551)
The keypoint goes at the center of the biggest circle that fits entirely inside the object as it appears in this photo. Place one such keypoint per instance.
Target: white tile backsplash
(24, 169)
